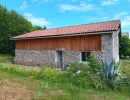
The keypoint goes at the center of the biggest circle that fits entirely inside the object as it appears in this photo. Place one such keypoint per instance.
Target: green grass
(6, 55)
(46, 86)
(64, 91)
(126, 66)
(6, 58)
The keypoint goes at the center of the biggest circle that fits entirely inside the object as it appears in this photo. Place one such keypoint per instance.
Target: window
(85, 56)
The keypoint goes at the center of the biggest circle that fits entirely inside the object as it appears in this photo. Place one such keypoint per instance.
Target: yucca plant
(110, 74)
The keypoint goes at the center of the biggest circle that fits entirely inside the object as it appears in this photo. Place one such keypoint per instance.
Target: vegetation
(77, 83)
(39, 28)
(12, 24)
(80, 75)
(110, 74)
(94, 65)
(45, 90)
(124, 46)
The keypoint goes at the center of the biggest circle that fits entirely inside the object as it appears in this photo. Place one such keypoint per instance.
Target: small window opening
(85, 56)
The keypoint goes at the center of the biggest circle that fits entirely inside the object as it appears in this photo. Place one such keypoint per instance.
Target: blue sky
(60, 13)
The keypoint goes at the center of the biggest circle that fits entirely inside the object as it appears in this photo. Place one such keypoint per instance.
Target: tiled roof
(70, 30)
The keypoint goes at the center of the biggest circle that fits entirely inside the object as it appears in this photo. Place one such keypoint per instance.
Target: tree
(39, 28)
(124, 46)
(44, 27)
(12, 24)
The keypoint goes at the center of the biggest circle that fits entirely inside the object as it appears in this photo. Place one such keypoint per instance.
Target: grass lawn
(126, 65)
(15, 87)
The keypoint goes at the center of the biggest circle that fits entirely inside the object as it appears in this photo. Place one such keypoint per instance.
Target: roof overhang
(63, 35)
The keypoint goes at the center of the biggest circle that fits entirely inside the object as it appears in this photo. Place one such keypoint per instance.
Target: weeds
(94, 65)
(43, 74)
(79, 75)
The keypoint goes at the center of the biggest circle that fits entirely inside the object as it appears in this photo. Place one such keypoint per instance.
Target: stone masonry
(106, 47)
(69, 57)
(109, 48)
(45, 57)
(116, 47)
(35, 57)
(98, 55)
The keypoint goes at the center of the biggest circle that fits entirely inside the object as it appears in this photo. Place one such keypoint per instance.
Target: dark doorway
(59, 59)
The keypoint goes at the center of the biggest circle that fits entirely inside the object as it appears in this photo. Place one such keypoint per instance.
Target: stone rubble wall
(116, 47)
(98, 55)
(69, 57)
(45, 57)
(35, 57)
(107, 47)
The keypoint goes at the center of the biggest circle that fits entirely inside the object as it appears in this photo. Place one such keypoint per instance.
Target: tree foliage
(124, 47)
(39, 28)
(12, 24)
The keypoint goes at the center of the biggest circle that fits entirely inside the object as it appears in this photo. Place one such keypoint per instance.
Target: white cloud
(36, 21)
(119, 15)
(108, 2)
(24, 5)
(83, 7)
(126, 21)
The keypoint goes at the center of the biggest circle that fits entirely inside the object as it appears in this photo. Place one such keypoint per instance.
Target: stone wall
(69, 57)
(116, 47)
(98, 55)
(37, 57)
(110, 47)
(107, 47)
(45, 57)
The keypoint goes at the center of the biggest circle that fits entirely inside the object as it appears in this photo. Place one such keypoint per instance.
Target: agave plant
(110, 74)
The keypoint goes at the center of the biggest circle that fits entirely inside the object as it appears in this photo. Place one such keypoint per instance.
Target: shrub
(79, 75)
(49, 73)
(94, 65)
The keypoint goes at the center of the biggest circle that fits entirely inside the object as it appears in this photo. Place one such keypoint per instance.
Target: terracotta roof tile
(84, 28)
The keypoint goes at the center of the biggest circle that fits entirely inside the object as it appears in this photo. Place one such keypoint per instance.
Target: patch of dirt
(126, 66)
(14, 91)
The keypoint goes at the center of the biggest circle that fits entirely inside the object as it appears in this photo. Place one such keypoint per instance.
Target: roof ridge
(82, 24)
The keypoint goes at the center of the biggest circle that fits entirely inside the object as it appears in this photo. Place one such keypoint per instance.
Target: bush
(78, 74)
(94, 65)
(49, 73)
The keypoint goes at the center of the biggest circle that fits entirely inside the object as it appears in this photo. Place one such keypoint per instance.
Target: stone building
(62, 46)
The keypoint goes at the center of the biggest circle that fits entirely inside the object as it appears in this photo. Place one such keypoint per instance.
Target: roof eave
(63, 35)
